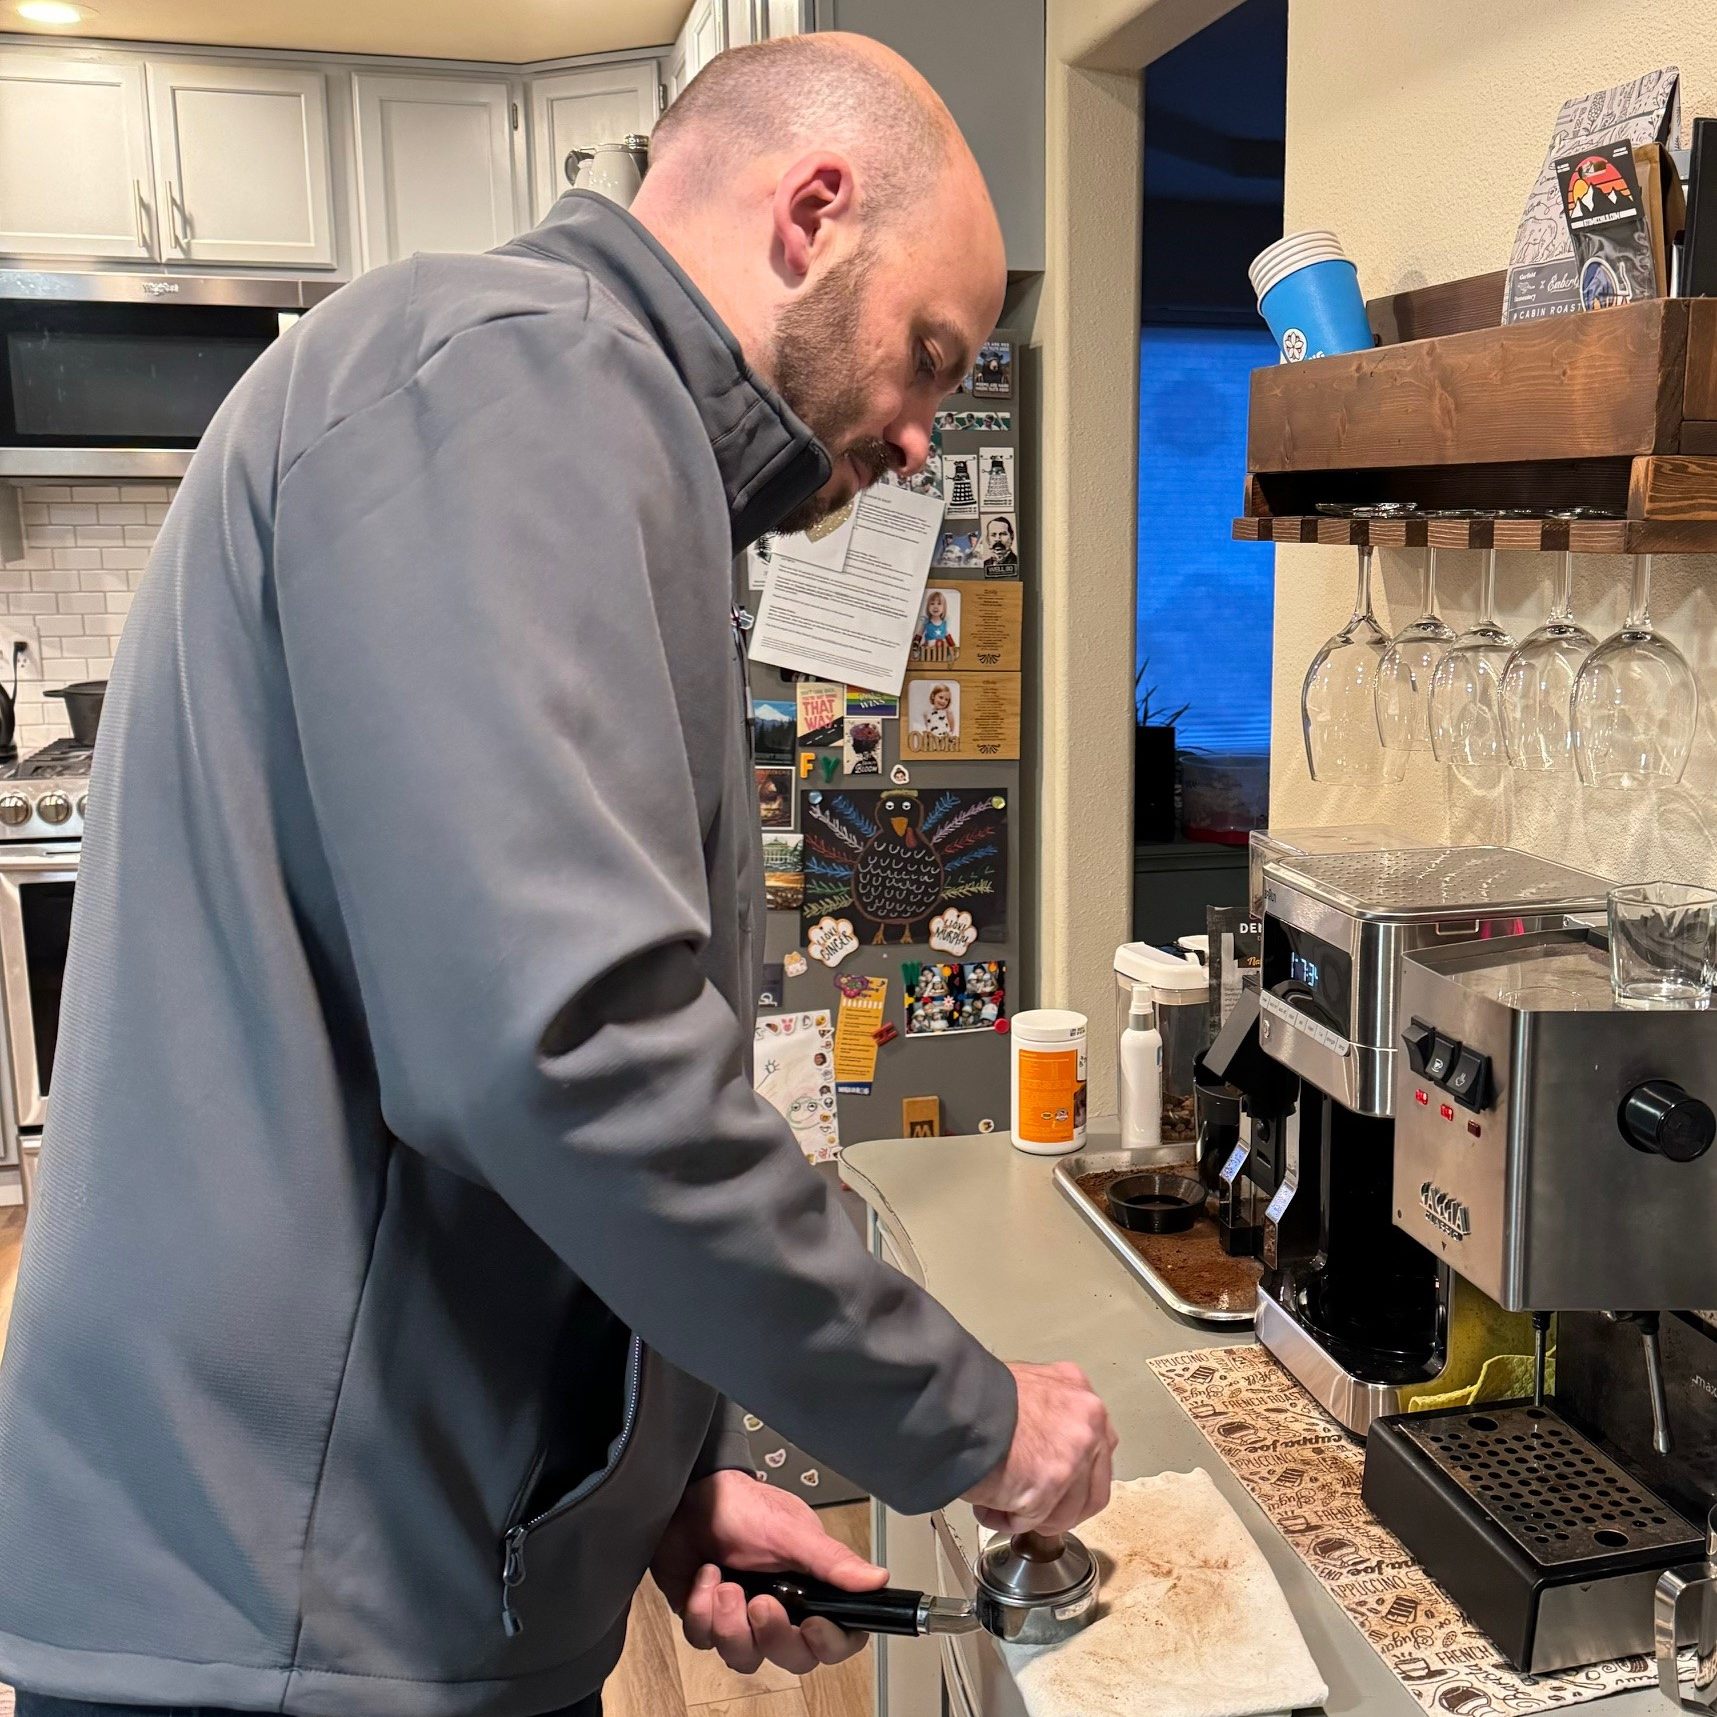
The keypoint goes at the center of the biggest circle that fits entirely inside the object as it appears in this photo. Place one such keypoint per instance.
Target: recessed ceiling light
(50, 12)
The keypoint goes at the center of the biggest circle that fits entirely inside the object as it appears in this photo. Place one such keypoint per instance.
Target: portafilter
(1032, 1589)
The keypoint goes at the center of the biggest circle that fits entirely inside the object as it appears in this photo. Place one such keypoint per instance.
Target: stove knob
(83, 804)
(1656, 1116)
(54, 808)
(14, 809)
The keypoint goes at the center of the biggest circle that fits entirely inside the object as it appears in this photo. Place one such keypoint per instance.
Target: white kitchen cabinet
(583, 108)
(435, 165)
(241, 163)
(75, 179)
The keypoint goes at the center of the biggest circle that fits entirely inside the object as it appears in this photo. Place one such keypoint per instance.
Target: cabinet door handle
(142, 222)
(173, 217)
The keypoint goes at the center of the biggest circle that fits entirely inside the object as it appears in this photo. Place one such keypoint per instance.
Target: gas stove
(42, 796)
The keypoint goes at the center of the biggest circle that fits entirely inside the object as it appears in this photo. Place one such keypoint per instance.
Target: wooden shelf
(1613, 409)
(1587, 536)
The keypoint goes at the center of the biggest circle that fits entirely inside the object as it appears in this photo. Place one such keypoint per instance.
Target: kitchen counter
(984, 1228)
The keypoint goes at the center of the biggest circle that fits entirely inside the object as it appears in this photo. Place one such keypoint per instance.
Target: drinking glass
(1662, 936)
(1338, 700)
(1635, 702)
(1538, 682)
(1466, 689)
(1404, 674)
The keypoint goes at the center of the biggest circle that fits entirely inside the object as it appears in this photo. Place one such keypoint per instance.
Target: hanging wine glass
(1338, 699)
(1635, 702)
(1538, 682)
(1404, 674)
(1466, 689)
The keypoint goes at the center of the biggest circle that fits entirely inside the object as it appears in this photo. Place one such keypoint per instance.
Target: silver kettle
(1687, 1610)
(616, 170)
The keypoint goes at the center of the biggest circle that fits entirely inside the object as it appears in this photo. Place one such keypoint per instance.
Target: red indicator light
(1473, 1128)
(1446, 1110)
(1421, 1099)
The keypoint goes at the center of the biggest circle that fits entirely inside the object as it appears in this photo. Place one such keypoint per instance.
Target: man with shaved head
(408, 1223)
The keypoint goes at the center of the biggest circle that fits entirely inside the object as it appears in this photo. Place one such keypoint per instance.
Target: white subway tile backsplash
(85, 549)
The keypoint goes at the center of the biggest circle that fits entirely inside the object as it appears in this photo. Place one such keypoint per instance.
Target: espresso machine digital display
(1309, 973)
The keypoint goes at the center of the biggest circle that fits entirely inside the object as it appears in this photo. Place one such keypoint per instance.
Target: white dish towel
(1191, 1624)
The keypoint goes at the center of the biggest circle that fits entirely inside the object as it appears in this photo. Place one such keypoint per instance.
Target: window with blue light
(1205, 602)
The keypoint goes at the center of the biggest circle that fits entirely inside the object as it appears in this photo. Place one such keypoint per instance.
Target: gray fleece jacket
(405, 1200)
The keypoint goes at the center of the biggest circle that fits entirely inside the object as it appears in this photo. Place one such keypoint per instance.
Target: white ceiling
(506, 30)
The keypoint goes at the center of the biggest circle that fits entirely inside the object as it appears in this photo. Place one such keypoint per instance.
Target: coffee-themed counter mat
(1304, 1472)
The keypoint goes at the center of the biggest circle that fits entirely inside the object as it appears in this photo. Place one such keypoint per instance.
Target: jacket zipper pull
(512, 1574)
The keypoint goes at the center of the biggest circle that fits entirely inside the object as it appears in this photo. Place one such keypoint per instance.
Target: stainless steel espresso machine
(1364, 1315)
(1555, 1151)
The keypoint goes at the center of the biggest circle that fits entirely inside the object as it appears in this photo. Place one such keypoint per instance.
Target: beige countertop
(986, 1230)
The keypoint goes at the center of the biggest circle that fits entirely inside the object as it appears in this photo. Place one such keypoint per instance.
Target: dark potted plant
(1153, 763)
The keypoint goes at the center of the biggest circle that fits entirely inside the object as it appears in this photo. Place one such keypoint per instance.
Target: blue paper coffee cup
(1309, 293)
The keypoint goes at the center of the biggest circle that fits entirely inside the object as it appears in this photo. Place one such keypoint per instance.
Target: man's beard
(814, 351)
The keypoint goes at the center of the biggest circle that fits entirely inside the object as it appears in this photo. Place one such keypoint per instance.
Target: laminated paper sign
(965, 624)
(857, 1021)
(950, 716)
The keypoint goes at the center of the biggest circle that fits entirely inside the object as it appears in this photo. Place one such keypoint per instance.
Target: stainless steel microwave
(117, 375)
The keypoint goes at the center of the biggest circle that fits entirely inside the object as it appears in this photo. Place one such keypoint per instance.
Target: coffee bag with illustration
(1607, 221)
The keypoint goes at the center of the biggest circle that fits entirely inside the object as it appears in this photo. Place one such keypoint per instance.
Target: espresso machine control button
(1440, 1058)
(1417, 1037)
(1469, 1081)
(1659, 1116)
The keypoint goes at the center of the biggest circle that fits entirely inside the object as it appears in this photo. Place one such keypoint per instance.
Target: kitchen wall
(85, 547)
(1416, 141)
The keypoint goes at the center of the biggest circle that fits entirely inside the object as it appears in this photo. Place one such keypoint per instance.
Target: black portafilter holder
(1237, 1061)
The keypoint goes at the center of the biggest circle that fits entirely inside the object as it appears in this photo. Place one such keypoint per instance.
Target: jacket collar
(769, 460)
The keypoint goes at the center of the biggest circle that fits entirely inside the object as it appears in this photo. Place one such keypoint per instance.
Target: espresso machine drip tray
(1548, 1545)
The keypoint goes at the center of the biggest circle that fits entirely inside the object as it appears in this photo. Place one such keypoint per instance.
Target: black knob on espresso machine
(1659, 1116)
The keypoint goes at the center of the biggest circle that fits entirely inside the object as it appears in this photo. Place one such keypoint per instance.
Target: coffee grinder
(1553, 1150)
(1362, 1314)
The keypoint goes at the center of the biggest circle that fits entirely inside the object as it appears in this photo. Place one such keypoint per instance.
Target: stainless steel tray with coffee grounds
(1188, 1271)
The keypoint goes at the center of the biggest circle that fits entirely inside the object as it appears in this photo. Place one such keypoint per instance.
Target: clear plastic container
(1180, 994)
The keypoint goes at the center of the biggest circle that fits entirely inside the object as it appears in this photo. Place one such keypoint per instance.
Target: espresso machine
(1362, 1313)
(1554, 1151)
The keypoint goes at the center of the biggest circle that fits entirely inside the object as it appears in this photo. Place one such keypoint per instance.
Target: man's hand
(1057, 1471)
(729, 1518)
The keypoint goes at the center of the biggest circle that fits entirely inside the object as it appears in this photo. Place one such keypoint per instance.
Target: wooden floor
(660, 1675)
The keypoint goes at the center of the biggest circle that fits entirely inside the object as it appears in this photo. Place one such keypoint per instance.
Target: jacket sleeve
(726, 1448)
(482, 581)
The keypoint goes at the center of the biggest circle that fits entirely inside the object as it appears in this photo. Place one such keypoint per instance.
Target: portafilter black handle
(892, 1610)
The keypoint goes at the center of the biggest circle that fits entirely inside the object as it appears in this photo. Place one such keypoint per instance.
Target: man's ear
(814, 194)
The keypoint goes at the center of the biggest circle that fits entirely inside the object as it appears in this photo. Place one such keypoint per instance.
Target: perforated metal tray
(1440, 882)
(1557, 1495)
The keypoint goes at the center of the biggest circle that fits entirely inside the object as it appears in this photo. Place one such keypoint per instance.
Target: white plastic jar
(1048, 1081)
